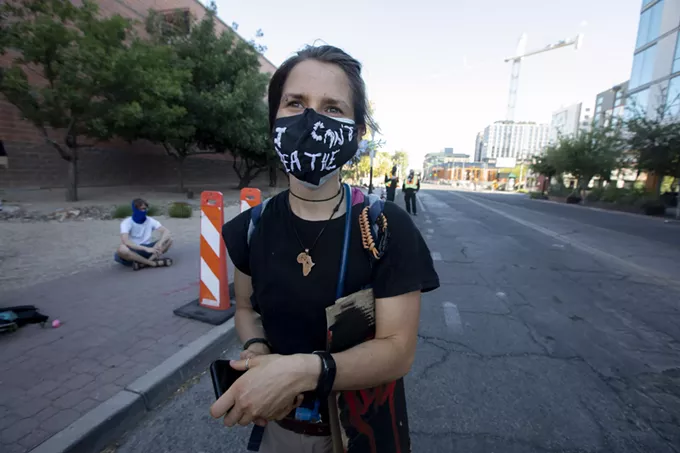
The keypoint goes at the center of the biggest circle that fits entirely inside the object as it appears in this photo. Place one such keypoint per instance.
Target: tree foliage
(655, 142)
(82, 60)
(541, 165)
(597, 151)
(185, 87)
(400, 159)
(222, 101)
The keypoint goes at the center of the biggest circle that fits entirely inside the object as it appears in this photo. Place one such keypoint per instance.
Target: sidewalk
(116, 325)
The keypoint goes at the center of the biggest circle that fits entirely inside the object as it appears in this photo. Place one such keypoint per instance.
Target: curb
(107, 422)
(614, 211)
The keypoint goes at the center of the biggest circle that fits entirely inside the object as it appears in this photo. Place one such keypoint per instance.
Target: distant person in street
(410, 188)
(137, 248)
(306, 247)
(391, 184)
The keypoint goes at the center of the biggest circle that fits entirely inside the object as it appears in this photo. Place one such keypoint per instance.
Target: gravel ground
(32, 253)
(33, 250)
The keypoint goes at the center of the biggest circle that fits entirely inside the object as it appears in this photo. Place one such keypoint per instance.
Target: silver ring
(247, 363)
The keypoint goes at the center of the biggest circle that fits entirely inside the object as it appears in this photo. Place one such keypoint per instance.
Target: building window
(637, 103)
(175, 22)
(643, 67)
(673, 99)
(600, 99)
(650, 23)
(676, 59)
(618, 97)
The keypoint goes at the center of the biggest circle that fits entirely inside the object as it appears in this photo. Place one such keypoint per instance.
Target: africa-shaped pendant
(306, 261)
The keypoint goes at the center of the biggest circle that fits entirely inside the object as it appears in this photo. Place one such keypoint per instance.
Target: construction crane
(521, 54)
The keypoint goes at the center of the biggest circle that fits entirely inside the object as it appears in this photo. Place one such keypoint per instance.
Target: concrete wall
(35, 164)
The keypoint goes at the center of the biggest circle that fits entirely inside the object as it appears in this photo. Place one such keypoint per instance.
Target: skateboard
(371, 420)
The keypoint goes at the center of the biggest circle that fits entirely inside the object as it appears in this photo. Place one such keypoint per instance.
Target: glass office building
(655, 76)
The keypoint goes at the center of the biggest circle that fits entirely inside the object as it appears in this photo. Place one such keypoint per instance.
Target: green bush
(522, 191)
(125, 210)
(670, 199)
(632, 197)
(574, 198)
(611, 194)
(654, 207)
(538, 196)
(180, 210)
(558, 190)
(595, 194)
(122, 211)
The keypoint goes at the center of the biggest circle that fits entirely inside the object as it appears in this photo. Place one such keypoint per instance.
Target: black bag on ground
(26, 314)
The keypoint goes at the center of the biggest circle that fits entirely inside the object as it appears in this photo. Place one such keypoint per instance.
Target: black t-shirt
(293, 306)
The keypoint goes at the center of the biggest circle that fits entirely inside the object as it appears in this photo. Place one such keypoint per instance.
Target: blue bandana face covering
(138, 216)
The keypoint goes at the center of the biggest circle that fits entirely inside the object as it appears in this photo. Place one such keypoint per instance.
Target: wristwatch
(253, 341)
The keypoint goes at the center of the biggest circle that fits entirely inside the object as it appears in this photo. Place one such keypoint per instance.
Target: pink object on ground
(56, 323)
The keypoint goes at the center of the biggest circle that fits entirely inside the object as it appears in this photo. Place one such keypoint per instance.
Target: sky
(434, 69)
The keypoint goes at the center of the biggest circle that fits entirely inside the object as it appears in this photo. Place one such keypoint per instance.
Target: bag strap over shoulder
(255, 216)
(372, 221)
(373, 224)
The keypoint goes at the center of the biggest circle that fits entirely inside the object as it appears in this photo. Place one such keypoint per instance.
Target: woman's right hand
(262, 349)
(255, 350)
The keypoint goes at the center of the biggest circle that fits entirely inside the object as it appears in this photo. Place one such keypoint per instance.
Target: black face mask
(313, 147)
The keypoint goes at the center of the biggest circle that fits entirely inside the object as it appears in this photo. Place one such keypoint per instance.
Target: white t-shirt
(139, 233)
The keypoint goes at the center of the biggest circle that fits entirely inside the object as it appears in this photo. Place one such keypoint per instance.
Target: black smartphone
(223, 376)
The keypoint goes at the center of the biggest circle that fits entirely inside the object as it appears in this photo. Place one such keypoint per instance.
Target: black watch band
(253, 341)
(327, 376)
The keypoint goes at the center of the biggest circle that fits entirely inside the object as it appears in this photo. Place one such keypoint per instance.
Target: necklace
(304, 257)
(315, 201)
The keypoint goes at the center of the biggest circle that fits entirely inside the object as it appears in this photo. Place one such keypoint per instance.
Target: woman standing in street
(287, 267)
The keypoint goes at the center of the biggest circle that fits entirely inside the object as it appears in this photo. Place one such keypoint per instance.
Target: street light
(372, 154)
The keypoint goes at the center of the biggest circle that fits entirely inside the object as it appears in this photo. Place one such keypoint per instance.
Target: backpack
(372, 222)
(11, 318)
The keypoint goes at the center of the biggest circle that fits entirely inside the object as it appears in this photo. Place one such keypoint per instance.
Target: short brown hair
(139, 202)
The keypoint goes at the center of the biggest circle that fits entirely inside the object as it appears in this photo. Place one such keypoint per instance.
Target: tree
(541, 165)
(655, 142)
(382, 165)
(251, 145)
(80, 57)
(597, 151)
(364, 166)
(222, 100)
(400, 159)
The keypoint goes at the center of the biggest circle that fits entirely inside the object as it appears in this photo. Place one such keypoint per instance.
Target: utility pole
(521, 54)
(372, 154)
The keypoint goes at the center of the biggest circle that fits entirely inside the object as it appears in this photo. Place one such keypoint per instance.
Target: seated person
(137, 249)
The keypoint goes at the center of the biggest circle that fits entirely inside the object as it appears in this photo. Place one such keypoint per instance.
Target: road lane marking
(430, 230)
(428, 237)
(421, 205)
(452, 317)
(436, 256)
(651, 274)
(428, 221)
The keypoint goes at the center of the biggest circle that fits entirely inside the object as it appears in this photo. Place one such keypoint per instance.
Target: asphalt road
(554, 331)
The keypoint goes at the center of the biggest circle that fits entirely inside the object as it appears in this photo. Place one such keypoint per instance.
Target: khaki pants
(279, 440)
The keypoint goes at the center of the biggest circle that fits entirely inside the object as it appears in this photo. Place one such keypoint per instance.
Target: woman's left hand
(270, 389)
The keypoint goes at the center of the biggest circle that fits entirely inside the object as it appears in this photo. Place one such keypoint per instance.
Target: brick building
(34, 164)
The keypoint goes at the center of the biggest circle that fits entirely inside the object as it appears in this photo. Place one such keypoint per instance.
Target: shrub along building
(32, 163)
